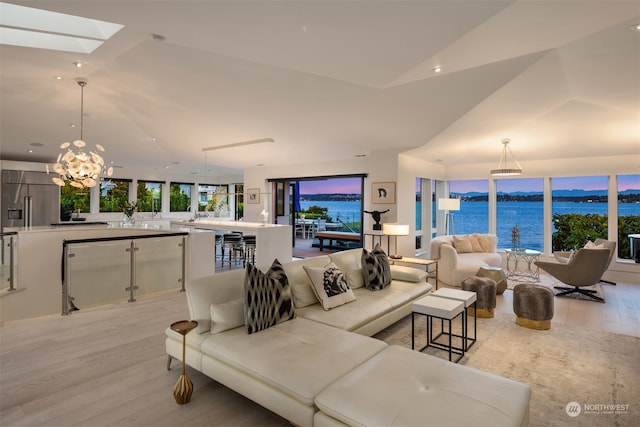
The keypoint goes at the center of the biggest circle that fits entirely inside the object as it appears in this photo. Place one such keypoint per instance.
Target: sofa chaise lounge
(461, 256)
(321, 367)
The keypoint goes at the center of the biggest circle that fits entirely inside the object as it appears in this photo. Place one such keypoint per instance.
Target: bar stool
(249, 249)
(232, 242)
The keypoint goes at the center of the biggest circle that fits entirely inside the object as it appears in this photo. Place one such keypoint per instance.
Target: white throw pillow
(476, 246)
(462, 244)
(228, 315)
(488, 242)
(591, 245)
(330, 286)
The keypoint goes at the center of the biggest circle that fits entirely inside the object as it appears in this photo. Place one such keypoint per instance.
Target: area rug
(578, 377)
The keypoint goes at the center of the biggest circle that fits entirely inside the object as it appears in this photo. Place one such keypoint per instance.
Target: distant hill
(340, 197)
(632, 195)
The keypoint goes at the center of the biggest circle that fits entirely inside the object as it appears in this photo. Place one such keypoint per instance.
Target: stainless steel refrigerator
(29, 199)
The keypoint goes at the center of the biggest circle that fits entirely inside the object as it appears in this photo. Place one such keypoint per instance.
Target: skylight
(37, 28)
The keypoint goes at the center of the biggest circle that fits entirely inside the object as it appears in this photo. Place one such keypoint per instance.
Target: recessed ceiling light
(58, 77)
(635, 27)
(437, 69)
(30, 151)
(72, 125)
(78, 64)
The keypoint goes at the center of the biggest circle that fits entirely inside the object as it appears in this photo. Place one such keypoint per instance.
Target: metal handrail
(345, 225)
(67, 300)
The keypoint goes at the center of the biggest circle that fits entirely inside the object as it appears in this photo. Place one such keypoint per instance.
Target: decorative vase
(515, 238)
(129, 220)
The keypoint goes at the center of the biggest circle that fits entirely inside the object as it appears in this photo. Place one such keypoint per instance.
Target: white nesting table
(446, 310)
(469, 299)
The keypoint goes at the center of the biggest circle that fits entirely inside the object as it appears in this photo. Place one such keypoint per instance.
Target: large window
(473, 216)
(580, 211)
(239, 201)
(337, 200)
(520, 203)
(628, 212)
(418, 213)
(114, 195)
(149, 196)
(73, 200)
(214, 199)
(179, 197)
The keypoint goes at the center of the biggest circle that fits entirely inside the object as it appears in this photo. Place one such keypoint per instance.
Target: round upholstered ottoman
(496, 274)
(485, 290)
(533, 306)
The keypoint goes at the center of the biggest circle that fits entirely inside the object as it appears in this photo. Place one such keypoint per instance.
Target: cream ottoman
(400, 387)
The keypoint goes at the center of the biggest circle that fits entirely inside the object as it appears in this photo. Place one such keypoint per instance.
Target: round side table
(184, 387)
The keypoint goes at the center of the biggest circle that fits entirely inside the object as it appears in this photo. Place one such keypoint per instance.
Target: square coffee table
(445, 310)
(469, 299)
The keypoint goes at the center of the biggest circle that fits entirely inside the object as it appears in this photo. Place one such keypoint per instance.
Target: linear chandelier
(80, 168)
(506, 159)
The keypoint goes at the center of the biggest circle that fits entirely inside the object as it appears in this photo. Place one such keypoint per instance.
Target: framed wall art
(383, 192)
(252, 196)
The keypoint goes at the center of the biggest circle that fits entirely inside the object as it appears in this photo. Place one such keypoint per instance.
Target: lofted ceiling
(330, 80)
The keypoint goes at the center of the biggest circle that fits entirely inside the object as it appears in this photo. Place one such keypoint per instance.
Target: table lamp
(449, 205)
(395, 230)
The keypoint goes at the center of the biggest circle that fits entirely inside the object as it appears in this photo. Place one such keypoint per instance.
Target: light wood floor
(106, 366)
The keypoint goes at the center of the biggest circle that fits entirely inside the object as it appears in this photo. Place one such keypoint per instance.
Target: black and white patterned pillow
(330, 285)
(267, 297)
(375, 268)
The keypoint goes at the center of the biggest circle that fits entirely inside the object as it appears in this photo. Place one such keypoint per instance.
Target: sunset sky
(331, 186)
(352, 185)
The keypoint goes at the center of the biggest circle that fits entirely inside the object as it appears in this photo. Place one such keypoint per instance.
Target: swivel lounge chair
(611, 245)
(584, 269)
(563, 257)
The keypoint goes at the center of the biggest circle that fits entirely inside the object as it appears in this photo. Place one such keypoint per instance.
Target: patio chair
(583, 269)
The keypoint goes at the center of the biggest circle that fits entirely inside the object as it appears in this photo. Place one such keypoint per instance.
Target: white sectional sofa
(286, 367)
(461, 256)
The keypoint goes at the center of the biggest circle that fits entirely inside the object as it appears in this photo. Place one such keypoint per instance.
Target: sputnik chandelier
(79, 167)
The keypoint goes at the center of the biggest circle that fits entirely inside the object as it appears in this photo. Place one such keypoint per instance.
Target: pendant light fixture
(82, 169)
(508, 164)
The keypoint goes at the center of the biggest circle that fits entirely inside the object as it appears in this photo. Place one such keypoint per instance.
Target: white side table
(469, 299)
(446, 310)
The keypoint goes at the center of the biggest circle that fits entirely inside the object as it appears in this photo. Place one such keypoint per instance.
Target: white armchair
(462, 256)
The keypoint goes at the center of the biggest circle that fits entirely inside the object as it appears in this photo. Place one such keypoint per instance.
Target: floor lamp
(395, 230)
(449, 205)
